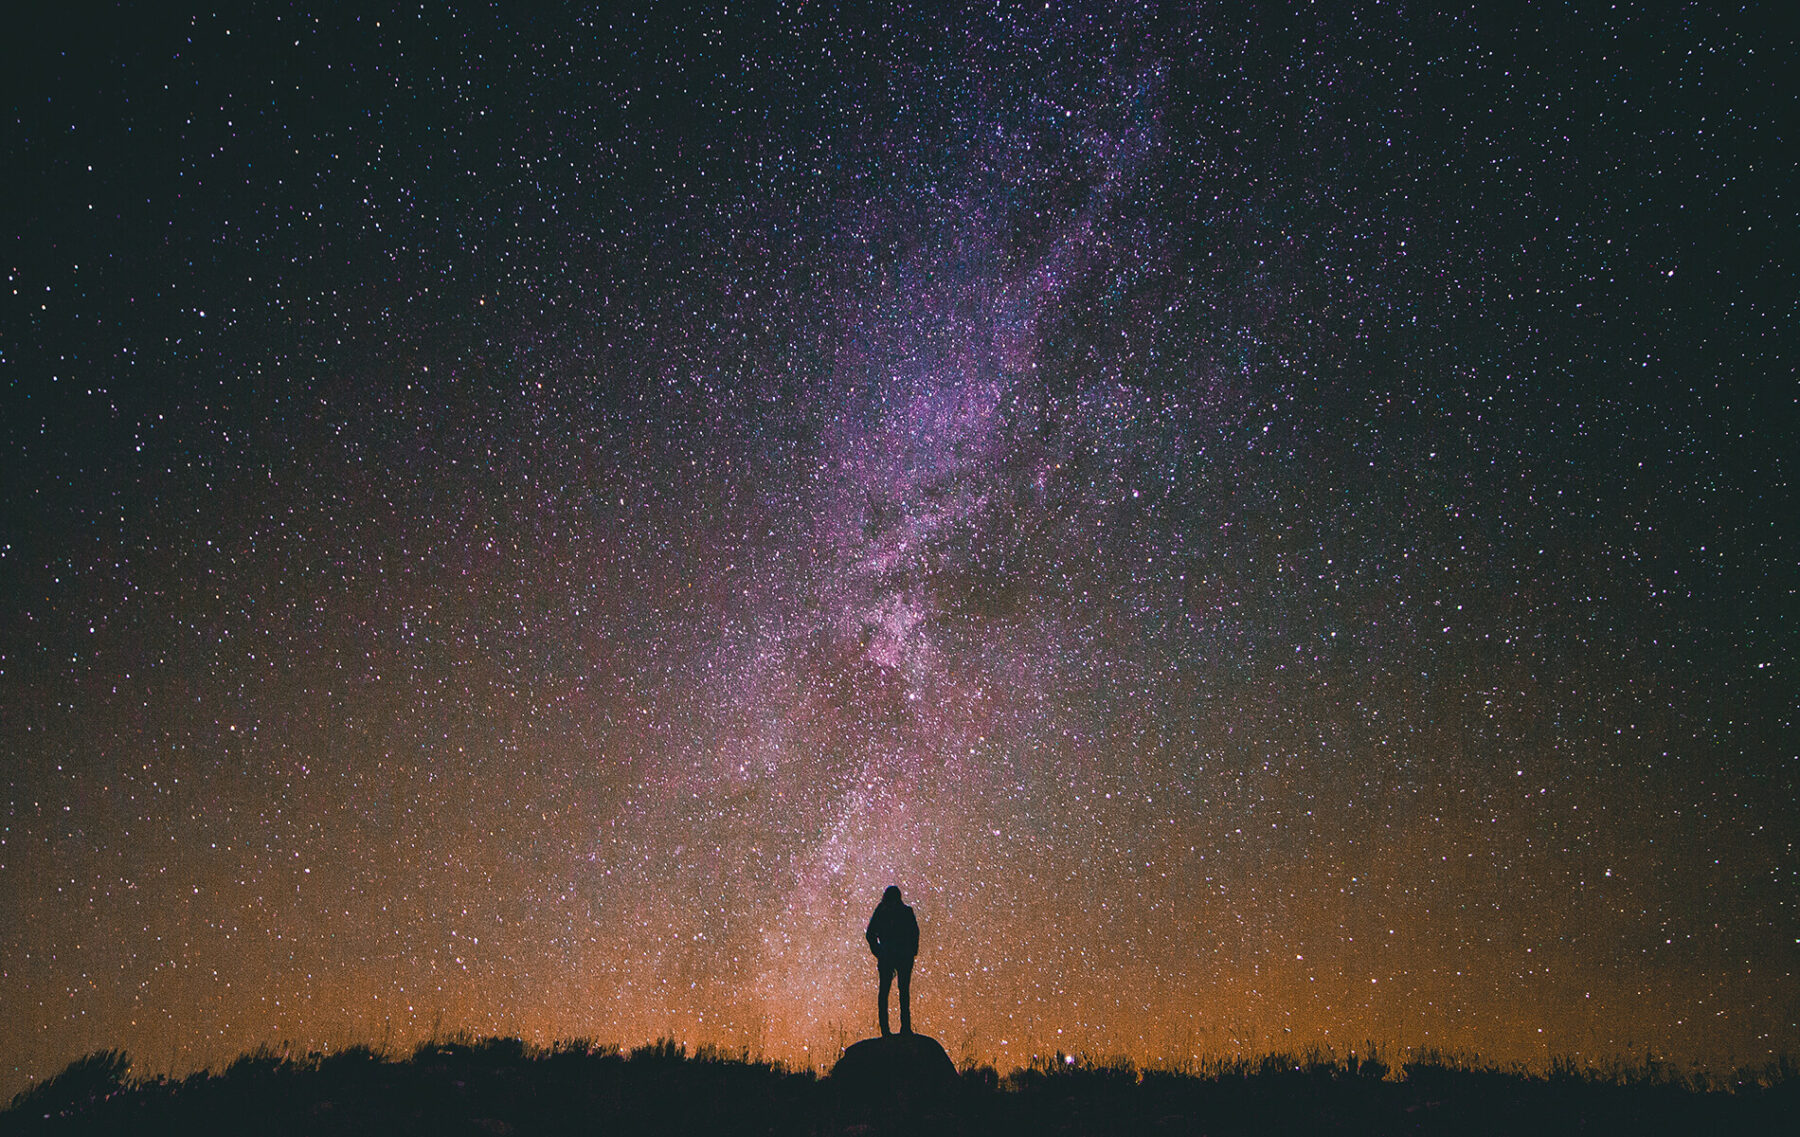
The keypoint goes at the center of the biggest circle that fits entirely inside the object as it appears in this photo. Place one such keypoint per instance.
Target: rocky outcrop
(897, 1068)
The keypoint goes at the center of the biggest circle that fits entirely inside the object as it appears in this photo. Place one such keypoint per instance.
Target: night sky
(1274, 527)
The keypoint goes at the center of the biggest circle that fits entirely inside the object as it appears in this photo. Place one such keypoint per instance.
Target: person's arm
(874, 940)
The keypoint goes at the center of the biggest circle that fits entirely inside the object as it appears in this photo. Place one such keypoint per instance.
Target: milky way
(1275, 530)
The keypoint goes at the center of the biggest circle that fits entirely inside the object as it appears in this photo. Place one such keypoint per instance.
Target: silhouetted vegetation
(506, 1086)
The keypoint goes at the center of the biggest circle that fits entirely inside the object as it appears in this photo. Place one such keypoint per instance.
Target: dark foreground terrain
(504, 1086)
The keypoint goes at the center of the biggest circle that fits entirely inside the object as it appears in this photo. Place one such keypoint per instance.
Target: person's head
(892, 895)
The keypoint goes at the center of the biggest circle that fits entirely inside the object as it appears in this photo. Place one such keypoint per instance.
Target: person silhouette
(893, 937)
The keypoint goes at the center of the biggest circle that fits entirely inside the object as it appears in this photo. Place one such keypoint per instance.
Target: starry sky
(1273, 524)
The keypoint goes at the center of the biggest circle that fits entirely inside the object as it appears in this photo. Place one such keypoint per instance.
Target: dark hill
(504, 1086)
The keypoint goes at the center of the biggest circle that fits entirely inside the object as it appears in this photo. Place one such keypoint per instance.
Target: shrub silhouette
(506, 1085)
(89, 1079)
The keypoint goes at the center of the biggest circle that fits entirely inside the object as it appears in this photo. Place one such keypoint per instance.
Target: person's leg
(905, 997)
(887, 981)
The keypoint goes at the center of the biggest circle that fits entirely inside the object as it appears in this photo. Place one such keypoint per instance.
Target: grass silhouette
(507, 1086)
